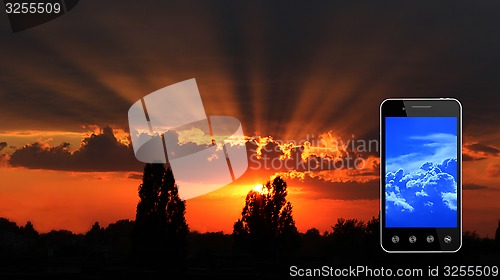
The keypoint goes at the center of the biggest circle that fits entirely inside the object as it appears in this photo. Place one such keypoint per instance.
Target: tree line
(160, 239)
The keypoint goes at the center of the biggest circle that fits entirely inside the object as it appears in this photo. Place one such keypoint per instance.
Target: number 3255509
(32, 8)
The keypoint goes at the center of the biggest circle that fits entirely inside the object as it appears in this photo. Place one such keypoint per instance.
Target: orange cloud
(493, 170)
(328, 157)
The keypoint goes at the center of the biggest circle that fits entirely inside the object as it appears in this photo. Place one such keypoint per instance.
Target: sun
(259, 188)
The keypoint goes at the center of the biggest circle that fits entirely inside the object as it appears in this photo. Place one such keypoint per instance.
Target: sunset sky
(289, 72)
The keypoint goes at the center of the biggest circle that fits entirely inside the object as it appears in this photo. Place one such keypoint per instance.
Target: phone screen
(421, 172)
(420, 175)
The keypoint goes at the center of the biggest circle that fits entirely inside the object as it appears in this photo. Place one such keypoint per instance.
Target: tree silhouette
(94, 239)
(176, 228)
(161, 230)
(267, 223)
(349, 237)
(313, 233)
(29, 231)
(96, 232)
(348, 231)
(118, 236)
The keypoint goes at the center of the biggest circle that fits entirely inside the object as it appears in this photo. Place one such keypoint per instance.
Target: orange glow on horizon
(75, 200)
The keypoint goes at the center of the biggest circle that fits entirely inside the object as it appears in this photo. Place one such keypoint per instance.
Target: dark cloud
(308, 50)
(300, 67)
(99, 152)
(3, 145)
(135, 175)
(474, 187)
(483, 149)
(468, 157)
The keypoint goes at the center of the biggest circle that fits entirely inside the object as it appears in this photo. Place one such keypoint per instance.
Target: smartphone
(421, 175)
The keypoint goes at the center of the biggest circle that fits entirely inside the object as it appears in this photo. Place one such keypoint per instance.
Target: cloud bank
(424, 198)
(98, 152)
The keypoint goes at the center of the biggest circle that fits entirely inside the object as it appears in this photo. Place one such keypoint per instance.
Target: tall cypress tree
(176, 228)
(160, 229)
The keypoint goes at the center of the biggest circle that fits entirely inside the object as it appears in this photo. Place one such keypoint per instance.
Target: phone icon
(421, 174)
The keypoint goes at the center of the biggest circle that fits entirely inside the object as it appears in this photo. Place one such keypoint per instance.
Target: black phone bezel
(443, 107)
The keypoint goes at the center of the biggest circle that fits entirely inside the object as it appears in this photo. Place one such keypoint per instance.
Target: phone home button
(395, 239)
(412, 239)
(430, 239)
